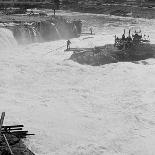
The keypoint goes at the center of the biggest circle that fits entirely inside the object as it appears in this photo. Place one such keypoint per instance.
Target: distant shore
(118, 10)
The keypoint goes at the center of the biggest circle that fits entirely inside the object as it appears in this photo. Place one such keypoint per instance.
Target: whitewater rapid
(78, 109)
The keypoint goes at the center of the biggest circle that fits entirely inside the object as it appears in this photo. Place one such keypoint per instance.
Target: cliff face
(46, 30)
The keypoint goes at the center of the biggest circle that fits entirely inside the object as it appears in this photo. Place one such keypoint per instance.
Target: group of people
(123, 42)
(127, 42)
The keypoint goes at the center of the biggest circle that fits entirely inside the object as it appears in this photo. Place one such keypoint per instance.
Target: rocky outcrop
(110, 54)
(16, 144)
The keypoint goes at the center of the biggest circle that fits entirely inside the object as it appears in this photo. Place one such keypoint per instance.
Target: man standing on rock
(54, 10)
(68, 44)
(91, 31)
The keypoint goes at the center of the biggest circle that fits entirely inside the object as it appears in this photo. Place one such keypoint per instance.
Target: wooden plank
(12, 129)
(79, 49)
(88, 33)
(8, 144)
(19, 133)
(2, 120)
(30, 134)
(13, 126)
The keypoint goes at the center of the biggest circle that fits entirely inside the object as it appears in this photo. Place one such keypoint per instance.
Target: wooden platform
(11, 139)
(79, 50)
(87, 33)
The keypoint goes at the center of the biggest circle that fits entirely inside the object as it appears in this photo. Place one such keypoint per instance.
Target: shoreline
(117, 10)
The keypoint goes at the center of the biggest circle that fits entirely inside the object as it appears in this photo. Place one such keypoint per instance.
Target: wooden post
(1, 121)
(1, 124)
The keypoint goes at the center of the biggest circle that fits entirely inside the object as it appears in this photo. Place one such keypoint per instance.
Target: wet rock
(16, 144)
(110, 54)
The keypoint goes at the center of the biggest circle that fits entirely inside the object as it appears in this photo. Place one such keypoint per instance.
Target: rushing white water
(77, 109)
(7, 41)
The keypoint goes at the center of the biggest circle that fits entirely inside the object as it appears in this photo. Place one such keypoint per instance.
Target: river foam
(78, 109)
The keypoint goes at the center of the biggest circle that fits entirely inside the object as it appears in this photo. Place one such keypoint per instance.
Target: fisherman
(116, 40)
(148, 37)
(144, 37)
(123, 36)
(91, 31)
(54, 11)
(68, 44)
(128, 41)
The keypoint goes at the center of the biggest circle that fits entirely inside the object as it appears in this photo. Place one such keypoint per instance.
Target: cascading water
(58, 33)
(77, 109)
(30, 36)
(42, 31)
(7, 40)
(35, 35)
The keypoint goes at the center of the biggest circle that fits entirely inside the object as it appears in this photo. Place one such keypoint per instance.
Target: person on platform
(91, 31)
(123, 37)
(68, 44)
(54, 11)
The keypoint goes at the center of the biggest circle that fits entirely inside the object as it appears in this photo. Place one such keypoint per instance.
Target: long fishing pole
(55, 49)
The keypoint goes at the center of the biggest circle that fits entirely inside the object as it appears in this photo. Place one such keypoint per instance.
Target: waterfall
(7, 40)
(24, 35)
(29, 35)
(59, 35)
(36, 35)
(22, 38)
(56, 29)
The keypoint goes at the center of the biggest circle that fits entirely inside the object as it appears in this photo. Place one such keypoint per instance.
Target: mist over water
(78, 109)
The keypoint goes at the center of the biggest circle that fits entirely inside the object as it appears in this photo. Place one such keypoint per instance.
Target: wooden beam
(3, 130)
(2, 120)
(13, 126)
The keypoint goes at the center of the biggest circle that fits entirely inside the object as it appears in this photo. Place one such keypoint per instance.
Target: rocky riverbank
(115, 9)
(110, 54)
(17, 146)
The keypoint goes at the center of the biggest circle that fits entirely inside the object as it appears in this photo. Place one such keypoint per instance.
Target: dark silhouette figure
(68, 44)
(91, 31)
(123, 37)
(54, 11)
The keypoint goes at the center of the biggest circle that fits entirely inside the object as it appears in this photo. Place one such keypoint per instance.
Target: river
(78, 109)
